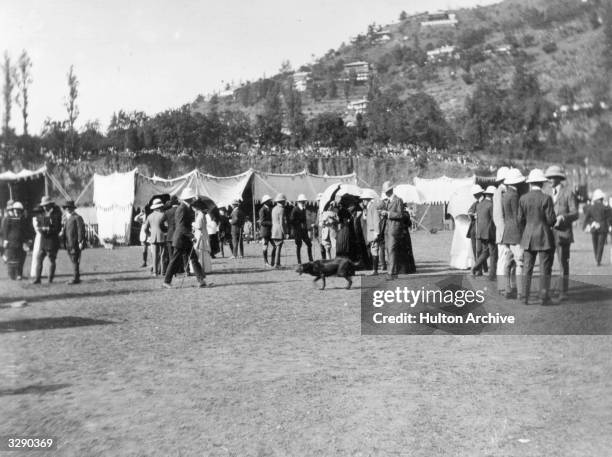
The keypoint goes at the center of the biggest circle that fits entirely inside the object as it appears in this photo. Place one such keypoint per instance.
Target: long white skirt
(461, 255)
(35, 251)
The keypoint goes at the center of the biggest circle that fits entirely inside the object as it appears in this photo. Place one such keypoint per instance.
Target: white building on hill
(440, 18)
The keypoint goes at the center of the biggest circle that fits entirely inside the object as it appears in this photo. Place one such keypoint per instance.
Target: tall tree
(71, 106)
(23, 80)
(607, 19)
(8, 74)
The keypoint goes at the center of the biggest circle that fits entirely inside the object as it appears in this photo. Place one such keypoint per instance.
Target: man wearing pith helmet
(566, 210)
(511, 238)
(536, 215)
(279, 226)
(300, 228)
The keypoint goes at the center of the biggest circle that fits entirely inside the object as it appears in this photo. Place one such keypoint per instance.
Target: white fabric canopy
(297, 183)
(439, 190)
(113, 197)
(409, 193)
(23, 174)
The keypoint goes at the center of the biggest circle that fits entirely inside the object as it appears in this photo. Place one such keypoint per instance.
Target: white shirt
(211, 226)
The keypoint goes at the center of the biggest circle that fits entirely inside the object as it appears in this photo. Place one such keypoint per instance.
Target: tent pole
(253, 203)
(46, 184)
(10, 191)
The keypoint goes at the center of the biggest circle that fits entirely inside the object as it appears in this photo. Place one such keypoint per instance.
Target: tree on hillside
(269, 123)
(403, 16)
(607, 19)
(296, 122)
(23, 79)
(71, 107)
(8, 74)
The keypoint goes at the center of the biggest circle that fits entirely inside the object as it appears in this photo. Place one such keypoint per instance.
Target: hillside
(561, 41)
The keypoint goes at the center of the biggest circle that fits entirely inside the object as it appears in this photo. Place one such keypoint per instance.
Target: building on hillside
(300, 80)
(357, 106)
(381, 36)
(440, 18)
(361, 69)
(440, 54)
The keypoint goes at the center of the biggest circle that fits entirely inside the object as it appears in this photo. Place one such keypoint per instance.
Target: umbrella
(409, 193)
(460, 201)
(204, 202)
(349, 189)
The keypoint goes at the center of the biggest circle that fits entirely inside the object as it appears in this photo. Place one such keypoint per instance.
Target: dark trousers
(302, 237)
(182, 256)
(276, 256)
(546, 263)
(563, 256)
(266, 241)
(145, 253)
(392, 246)
(489, 251)
(52, 254)
(599, 241)
(160, 257)
(75, 258)
(238, 245)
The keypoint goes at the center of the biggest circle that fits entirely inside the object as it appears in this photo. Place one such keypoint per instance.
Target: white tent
(439, 190)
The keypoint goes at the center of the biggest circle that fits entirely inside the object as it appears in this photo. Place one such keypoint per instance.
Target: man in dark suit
(598, 218)
(237, 219)
(471, 233)
(50, 223)
(536, 217)
(170, 213)
(73, 234)
(511, 237)
(265, 229)
(300, 228)
(182, 241)
(485, 233)
(566, 209)
(394, 214)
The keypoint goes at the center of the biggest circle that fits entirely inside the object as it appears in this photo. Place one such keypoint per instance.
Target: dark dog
(321, 269)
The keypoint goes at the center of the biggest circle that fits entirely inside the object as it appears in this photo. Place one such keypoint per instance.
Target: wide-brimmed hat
(368, 194)
(46, 200)
(597, 195)
(555, 171)
(69, 204)
(536, 176)
(477, 190)
(157, 203)
(514, 176)
(266, 198)
(301, 198)
(502, 172)
(280, 198)
(387, 186)
(19, 206)
(490, 190)
(187, 193)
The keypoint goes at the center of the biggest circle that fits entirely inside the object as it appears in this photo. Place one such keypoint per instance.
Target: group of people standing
(511, 226)
(49, 229)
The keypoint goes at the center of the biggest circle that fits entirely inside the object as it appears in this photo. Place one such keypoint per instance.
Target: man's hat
(46, 200)
(477, 190)
(157, 203)
(536, 176)
(266, 198)
(514, 176)
(19, 206)
(490, 190)
(555, 171)
(368, 194)
(187, 193)
(69, 204)
(502, 172)
(387, 186)
(280, 198)
(597, 195)
(301, 198)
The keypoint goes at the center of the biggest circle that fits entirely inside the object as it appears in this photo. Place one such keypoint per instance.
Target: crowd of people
(516, 221)
(45, 232)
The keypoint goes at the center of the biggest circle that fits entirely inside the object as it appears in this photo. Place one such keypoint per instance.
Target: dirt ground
(263, 364)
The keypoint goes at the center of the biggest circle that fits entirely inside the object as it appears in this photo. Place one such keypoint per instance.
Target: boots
(273, 256)
(374, 265)
(309, 251)
(51, 271)
(298, 252)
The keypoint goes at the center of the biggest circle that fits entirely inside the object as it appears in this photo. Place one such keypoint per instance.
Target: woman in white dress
(202, 243)
(36, 247)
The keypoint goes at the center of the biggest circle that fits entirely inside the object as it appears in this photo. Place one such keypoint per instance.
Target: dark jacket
(14, 231)
(73, 232)
(536, 217)
(471, 232)
(237, 217)
(600, 213)
(265, 221)
(485, 227)
(510, 205)
(170, 220)
(183, 218)
(50, 223)
(396, 216)
(298, 221)
(565, 205)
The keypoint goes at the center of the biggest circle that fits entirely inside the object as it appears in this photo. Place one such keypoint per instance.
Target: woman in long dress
(36, 247)
(202, 242)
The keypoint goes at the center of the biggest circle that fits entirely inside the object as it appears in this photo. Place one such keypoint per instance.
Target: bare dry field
(264, 364)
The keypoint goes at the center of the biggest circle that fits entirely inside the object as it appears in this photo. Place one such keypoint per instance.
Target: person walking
(328, 223)
(598, 219)
(279, 226)
(371, 225)
(170, 213)
(202, 242)
(471, 233)
(237, 223)
(536, 215)
(156, 227)
(140, 218)
(50, 222)
(265, 224)
(182, 241)
(300, 228)
(393, 212)
(511, 237)
(14, 239)
(566, 210)
(73, 234)
(485, 233)
(212, 227)
(37, 237)
(498, 220)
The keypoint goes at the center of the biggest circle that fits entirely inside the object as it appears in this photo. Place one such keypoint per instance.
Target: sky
(152, 55)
